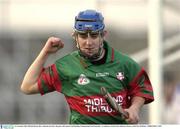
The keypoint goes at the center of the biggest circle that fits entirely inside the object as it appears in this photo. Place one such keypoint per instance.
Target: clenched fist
(52, 45)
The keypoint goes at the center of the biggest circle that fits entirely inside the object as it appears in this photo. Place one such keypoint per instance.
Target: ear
(104, 33)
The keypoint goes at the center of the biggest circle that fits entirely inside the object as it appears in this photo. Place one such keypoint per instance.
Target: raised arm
(29, 84)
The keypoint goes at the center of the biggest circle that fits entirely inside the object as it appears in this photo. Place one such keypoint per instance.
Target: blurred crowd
(172, 98)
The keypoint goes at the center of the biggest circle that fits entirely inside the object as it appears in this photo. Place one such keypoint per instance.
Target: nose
(89, 40)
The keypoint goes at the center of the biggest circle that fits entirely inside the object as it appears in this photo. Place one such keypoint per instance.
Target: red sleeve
(49, 80)
(141, 86)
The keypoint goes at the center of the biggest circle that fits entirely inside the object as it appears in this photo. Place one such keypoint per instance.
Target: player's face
(89, 43)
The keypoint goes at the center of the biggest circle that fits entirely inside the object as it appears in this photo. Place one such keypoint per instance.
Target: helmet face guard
(89, 20)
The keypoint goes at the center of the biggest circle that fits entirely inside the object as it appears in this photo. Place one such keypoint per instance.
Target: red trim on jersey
(48, 80)
(52, 82)
(136, 90)
(57, 81)
(39, 83)
(138, 75)
(96, 105)
(148, 98)
(112, 55)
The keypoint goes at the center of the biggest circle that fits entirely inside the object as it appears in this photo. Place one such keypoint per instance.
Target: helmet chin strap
(97, 56)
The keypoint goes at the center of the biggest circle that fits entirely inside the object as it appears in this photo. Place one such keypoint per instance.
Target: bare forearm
(133, 111)
(34, 70)
(29, 84)
(137, 102)
(32, 74)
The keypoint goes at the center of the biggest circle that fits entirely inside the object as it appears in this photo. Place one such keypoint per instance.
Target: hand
(133, 115)
(52, 45)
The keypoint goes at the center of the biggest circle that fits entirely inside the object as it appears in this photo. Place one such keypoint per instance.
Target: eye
(83, 35)
(94, 35)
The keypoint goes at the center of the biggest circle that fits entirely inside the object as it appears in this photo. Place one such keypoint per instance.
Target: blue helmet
(89, 20)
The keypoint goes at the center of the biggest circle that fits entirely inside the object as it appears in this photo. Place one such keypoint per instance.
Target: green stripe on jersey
(44, 87)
